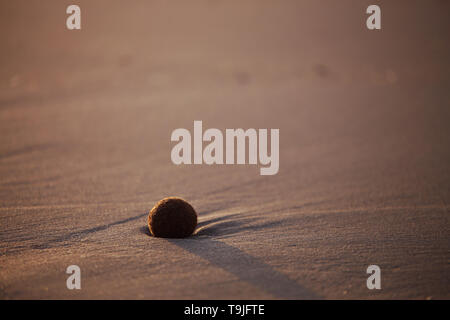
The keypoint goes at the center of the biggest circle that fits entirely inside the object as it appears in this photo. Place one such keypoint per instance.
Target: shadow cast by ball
(145, 230)
(245, 267)
(205, 244)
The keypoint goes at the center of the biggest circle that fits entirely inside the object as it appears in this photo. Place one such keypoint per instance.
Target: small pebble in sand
(172, 218)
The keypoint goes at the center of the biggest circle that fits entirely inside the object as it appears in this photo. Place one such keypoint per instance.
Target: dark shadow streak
(235, 261)
(25, 150)
(226, 228)
(86, 232)
(245, 267)
(218, 219)
(144, 230)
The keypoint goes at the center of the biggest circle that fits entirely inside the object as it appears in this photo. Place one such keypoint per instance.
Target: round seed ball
(172, 218)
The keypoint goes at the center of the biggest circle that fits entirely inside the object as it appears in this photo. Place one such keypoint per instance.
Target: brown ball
(172, 218)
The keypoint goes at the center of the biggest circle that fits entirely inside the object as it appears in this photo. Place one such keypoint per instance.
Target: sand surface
(85, 124)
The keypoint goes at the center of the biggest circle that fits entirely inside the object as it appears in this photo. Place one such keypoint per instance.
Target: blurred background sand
(85, 124)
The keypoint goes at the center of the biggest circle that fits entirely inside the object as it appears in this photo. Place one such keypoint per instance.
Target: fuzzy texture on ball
(172, 218)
